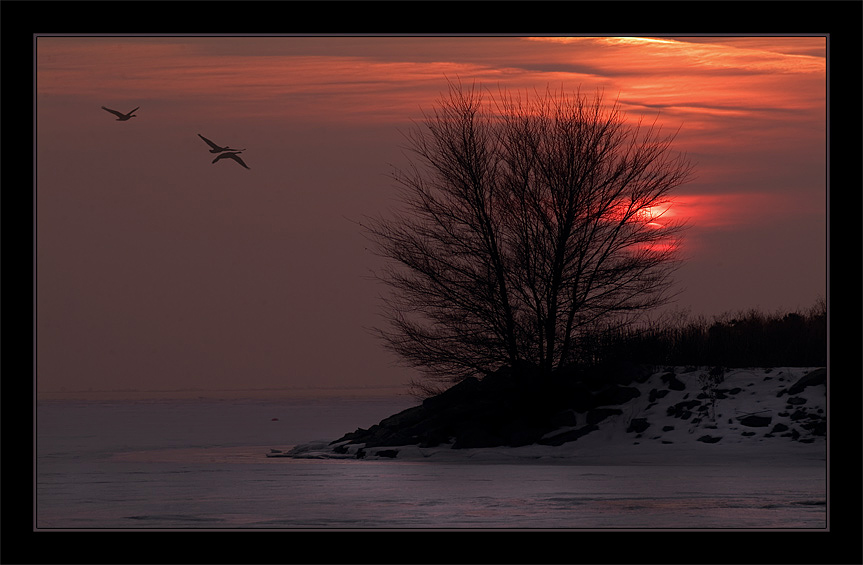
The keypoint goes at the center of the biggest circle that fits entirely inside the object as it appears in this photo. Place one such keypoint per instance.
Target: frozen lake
(202, 464)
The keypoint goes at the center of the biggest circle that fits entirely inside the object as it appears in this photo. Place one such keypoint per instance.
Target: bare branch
(527, 222)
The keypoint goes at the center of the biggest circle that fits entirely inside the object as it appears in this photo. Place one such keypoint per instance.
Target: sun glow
(637, 40)
(655, 216)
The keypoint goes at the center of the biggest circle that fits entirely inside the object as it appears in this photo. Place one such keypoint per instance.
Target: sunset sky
(157, 269)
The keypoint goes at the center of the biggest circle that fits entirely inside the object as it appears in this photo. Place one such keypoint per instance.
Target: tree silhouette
(526, 223)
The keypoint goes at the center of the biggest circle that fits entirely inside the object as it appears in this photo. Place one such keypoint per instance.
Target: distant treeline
(747, 339)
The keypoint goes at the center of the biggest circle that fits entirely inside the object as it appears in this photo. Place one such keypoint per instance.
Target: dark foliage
(748, 339)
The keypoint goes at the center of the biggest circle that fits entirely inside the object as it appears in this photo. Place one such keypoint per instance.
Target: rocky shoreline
(515, 408)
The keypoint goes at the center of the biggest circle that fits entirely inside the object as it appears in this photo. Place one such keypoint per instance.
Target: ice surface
(205, 465)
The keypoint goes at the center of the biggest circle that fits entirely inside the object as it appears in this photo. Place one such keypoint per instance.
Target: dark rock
(464, 392)
(682, 409)
(709, 439)
(597, 415)
(568, 436)
(747, 434)
(579, 398)
(618, 372)
(816, 377)
(407, 417)
(519, 407)
(564, 418)
(796, 401)
(816, 427)
(735, 390)
(522, 431)
(526, 436)
(625, 372)
(672, 381)
(638, 425)
(522, 376)
(615, 395)
(359, 433)
(756, 421)
(432, 438)
(779, 428)
(403, 428)
(475, 436)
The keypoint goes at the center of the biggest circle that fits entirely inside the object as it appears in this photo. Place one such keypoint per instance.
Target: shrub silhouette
(748, 339)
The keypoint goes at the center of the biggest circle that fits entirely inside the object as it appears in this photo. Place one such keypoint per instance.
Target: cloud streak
(682, 78)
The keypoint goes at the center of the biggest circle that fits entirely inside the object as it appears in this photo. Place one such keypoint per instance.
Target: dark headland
(625, 404)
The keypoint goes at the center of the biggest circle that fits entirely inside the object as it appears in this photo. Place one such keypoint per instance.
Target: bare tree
(526, 224)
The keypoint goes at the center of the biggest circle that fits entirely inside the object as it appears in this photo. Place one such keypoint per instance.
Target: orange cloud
(698, 83)
(731, 209)
(774, 55)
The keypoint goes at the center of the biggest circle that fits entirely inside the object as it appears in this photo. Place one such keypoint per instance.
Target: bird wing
(133, 111)
(236, 157)
(115, 112)
(210, 143)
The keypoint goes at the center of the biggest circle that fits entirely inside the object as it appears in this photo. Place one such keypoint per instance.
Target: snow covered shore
(772, 416)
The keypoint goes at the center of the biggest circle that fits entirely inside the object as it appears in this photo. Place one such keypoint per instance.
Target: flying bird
(121, 117)
(235, 155)
(216, 148)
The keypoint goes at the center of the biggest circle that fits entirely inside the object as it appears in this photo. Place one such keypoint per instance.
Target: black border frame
(838, 19)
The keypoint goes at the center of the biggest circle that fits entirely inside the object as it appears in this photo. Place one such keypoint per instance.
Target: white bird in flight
(121, 117)
(216, 148)
(235, 155)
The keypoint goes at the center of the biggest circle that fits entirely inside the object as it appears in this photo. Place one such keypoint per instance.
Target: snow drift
(680, 415)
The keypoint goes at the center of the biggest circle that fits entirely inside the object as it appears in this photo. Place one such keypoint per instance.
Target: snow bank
(755, 416)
